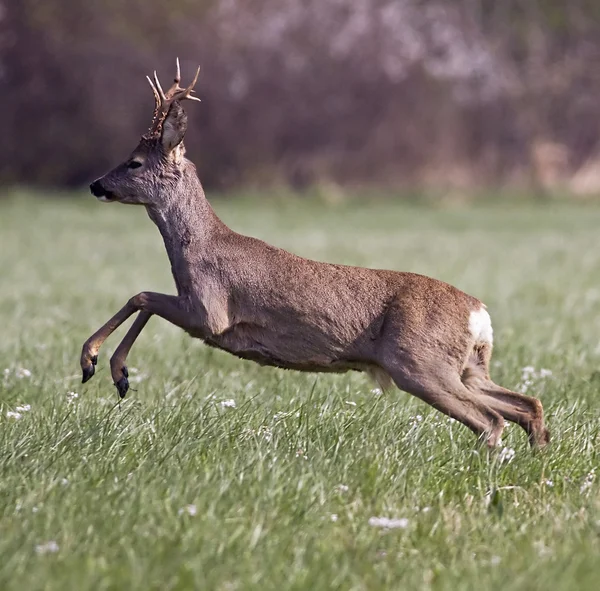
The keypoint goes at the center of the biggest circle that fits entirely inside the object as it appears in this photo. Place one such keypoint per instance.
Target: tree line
(356, 92)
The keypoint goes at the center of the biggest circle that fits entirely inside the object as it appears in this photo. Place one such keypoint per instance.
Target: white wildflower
(47, 548)
(71, 397)
(413, 421)
(21, 373)
(13, 415)
(542, 549)
(189, 509)
(138, 379)
(64, 481)
(333, 517)
(589, 480)
(530, 375)
(342, 488)
(524, 386)
(549, 483)
(495, 560)
(24, 408)
(387, 523)
(135, 377)
(230, 403)
(266, 433)
(377, 391)
(506, 455)
(6, 372)
(350, 402)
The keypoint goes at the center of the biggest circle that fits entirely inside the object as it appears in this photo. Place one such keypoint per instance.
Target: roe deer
(262, 303)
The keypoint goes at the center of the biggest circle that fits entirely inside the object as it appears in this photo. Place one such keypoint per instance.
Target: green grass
(283, 485)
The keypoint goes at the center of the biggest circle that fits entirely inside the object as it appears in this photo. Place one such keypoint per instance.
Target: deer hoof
(540, 439)
(122, 385)
(89, 371)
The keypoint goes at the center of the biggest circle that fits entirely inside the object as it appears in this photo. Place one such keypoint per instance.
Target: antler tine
(186, 93)
(165, 100)
(154, 91)
(178, 75)
(190, 88)
(159, 87)
(175, 86)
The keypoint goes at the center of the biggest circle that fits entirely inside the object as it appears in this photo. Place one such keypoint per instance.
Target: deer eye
(134, 164)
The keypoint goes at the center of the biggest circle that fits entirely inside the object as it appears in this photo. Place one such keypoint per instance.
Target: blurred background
(458, 139)
(460, 95)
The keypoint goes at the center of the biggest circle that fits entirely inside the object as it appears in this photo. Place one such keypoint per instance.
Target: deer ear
(174, 127)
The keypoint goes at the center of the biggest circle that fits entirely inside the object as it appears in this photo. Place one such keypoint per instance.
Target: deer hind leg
(442, 388)
(525, 411)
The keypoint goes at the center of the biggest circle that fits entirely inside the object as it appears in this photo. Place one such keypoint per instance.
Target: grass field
(219, 474)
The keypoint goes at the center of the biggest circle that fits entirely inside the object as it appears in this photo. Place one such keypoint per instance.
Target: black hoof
(89, 371)
(123, 384)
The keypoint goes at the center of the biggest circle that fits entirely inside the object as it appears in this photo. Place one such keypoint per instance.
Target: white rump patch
(480, 325)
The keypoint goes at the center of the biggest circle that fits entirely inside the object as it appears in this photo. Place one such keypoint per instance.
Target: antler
(163, 101)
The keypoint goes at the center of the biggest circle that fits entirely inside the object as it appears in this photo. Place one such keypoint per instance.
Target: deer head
(158, 161)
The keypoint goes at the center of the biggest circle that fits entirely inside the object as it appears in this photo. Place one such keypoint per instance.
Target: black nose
(97, 189)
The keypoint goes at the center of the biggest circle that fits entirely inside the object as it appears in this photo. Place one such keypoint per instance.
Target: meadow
(216, 473)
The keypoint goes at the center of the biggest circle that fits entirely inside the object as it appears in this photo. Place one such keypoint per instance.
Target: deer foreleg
(118, 369)
(171, 308)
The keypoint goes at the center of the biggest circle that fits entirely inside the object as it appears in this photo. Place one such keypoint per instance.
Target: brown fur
(262, 303)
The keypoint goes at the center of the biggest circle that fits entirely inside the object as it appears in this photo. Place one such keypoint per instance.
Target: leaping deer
(262, 303)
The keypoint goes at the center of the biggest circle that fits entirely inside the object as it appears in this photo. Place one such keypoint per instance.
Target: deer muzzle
(100, 192)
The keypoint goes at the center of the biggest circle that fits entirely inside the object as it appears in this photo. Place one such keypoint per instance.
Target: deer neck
(187, 224)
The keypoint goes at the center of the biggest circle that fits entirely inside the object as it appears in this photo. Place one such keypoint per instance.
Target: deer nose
(97, 189)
